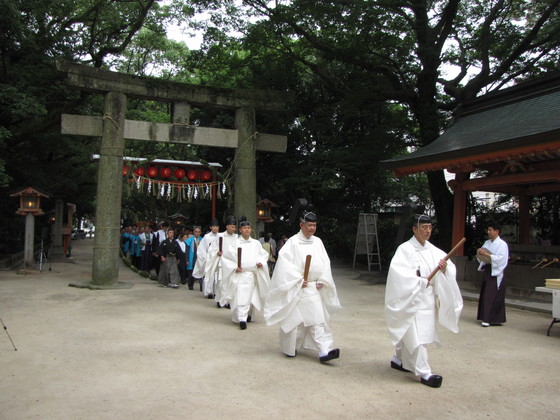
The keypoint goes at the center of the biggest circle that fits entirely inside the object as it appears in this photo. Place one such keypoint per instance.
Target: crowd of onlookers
(140, 245)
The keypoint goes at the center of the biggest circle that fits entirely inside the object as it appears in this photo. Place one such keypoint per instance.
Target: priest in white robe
(245, 276)
(493, 257)
(301, 307)
(213, 273)
(202, 254)
(413, 303)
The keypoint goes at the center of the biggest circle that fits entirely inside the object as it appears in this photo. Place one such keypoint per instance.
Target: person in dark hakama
(168, 252)
(159, 236)
(147, 252)
(182, 257)
(493, 258)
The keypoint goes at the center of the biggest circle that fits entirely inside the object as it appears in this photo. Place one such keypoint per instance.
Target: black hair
(495, 226)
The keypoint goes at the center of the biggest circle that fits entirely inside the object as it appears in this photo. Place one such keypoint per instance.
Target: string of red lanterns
(166, 173)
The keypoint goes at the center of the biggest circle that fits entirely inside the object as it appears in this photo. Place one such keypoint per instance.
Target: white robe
(287, 303)
(408, 300)
(500, 257)
(213, 268)
(201, 254)
(250, 286)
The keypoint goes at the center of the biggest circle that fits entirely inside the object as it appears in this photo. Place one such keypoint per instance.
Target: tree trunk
(428, 117)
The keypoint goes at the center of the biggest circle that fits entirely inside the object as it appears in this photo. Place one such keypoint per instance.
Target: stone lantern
(29, 206)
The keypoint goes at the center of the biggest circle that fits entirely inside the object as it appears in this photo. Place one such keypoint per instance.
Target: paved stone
(159, 353)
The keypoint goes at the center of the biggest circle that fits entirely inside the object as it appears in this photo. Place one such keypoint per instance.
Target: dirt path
(158, 353)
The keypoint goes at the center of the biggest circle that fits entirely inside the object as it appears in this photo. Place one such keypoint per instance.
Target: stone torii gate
(114, 129)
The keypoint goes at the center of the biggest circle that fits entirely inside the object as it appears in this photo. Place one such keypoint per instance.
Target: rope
(108, 117)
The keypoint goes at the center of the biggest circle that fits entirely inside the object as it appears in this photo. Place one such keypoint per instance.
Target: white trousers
(241, 312)
(243, 299)
(311, 337)
(218, 284)
(414, 356)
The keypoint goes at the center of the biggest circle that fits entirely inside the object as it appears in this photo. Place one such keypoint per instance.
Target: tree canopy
(373, 80)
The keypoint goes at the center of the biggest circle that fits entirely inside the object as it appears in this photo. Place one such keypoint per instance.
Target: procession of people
(298, 292)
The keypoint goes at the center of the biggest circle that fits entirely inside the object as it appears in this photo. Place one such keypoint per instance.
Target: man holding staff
(419, 276)
(245, 276)
(202, 257)
(213, 272)
(302, 294)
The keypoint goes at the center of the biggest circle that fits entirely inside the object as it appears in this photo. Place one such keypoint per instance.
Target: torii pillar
(245, 180)
(109, 193)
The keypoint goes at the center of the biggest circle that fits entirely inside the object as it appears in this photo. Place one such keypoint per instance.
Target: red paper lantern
(140, 171)
(125, 170)
(165, 172)
(192, 174)
(206, 175)
(180, 173)
(152, 171)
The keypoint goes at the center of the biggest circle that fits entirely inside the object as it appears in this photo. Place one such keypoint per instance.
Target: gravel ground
(158, 353)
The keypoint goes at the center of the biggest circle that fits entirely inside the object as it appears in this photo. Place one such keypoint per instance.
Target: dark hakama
(147, 258)
(169, 272)
(492, 301)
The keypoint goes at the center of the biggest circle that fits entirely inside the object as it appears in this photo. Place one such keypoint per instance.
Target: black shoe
(218, 305)
(227, 306)
(191, 288)
(434, 381)
(289, 355)
(210, 296)
(398, 367)
(333, 354)
(242, 325)
(249, 318)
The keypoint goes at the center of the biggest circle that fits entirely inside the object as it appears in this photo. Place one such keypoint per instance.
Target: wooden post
(524, 219)
(459, 211)
(109, 192)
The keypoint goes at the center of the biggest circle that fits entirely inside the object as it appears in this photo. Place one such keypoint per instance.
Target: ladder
(367, 241)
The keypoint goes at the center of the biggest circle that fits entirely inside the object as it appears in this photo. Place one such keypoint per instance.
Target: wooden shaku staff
(434, 272)
(306, 269)
(539, 263)
(220, 242)
(239, 257)
(554, 260)
(512, 260)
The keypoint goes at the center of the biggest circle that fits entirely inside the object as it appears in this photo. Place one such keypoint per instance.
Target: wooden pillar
(524, 220)
(109, 192)
(245, 172)
(459, 211)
